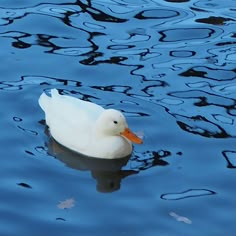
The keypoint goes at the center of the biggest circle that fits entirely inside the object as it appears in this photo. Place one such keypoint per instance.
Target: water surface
(170, 67)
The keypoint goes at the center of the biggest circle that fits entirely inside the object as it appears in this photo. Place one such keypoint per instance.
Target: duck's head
(112, 122)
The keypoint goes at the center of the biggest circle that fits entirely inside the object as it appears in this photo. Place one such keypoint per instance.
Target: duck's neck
(101, 133)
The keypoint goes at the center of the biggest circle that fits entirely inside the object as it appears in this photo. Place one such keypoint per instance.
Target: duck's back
(70, 120)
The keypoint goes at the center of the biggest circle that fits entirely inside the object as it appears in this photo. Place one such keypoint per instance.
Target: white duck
(87, 128)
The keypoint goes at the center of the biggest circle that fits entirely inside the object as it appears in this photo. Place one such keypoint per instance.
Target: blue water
(170, 67)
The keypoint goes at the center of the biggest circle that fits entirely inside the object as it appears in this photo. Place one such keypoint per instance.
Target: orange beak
(131, 136)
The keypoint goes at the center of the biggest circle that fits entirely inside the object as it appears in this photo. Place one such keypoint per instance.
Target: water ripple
(169, 66)
(230, 157)
(187, 194)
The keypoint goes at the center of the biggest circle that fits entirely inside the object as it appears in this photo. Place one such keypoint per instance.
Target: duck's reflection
(108, 173)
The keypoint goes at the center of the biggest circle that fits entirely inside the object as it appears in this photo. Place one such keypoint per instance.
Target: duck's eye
(115, 122)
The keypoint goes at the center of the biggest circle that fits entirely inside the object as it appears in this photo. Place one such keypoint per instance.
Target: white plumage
(86, 127)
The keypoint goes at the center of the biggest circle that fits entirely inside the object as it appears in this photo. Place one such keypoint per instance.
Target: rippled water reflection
(170, 67)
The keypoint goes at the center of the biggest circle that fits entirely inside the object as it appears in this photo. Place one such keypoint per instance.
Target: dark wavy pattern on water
(170, 67)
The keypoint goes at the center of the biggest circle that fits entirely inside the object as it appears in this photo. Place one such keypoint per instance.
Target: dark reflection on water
(24, 185)
(107, 173)
(169, 66)
(214, 20)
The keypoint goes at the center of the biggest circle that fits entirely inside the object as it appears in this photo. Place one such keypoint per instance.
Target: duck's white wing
(70, 120)
(91, 109)
(68, 107)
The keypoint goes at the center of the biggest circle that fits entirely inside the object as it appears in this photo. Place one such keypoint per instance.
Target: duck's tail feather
(44, 102)
(54, 93)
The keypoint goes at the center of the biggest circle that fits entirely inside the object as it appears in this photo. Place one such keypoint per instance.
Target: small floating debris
(180, 218)
(67, 204)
